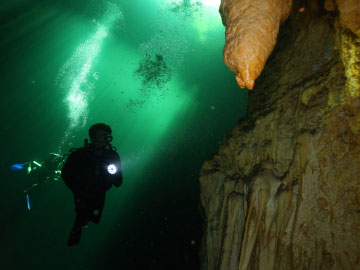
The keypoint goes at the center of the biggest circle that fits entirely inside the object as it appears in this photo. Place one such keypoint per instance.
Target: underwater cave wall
(283, 192)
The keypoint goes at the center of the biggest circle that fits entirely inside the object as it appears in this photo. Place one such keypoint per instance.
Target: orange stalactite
(252, 27)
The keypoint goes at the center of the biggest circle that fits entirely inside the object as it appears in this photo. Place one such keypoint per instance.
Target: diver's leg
(82, 209)
(75, 236)
(97, 206)
(81, 219)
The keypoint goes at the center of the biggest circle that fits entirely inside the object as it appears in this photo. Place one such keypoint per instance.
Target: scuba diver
(40, 173)
(46, 171)
(89, 172)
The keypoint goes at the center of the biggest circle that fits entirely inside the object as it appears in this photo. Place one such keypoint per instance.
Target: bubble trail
(73, 76)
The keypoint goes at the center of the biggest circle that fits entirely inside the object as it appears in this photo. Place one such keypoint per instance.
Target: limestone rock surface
(283, 192)
(350, 14)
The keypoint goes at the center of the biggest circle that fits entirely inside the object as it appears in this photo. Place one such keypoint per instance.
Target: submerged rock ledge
(283, 192)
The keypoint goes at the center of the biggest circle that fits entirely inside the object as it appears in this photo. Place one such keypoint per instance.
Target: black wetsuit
(86, 173)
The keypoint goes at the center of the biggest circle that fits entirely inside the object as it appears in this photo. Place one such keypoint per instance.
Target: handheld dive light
(112, 169)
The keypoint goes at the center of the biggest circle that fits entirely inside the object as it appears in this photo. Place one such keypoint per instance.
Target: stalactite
(267, 241)
(230, 252)
(294, 224)
(251, 30)
(320, 248)
(284, 197)
(260, 218)
(250, 229)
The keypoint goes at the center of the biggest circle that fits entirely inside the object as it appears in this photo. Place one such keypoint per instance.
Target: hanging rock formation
(251, 30)
(283, 192)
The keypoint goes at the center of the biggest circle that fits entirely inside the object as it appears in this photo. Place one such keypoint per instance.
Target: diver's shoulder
(112, 151)
(79, 151)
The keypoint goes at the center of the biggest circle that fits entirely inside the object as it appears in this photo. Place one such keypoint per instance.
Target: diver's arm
(69, 171)
(117, 178)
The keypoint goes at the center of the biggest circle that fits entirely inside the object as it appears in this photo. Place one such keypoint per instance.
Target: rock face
(283, 192)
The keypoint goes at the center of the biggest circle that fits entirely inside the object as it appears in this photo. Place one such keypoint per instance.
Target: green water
(152, 70)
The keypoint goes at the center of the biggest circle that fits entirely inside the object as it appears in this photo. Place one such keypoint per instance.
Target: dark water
(153, 71)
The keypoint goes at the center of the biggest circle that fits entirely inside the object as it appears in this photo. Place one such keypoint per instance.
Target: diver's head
(100, 135)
